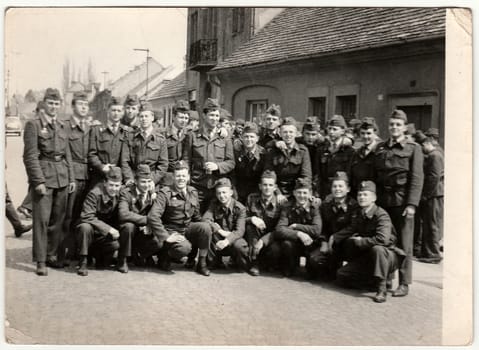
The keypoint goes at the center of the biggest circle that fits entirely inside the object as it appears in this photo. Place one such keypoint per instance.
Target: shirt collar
(139, 194)
(401, 141)
(273, 201)
(46, 119)
(369, 212)
(229, 207)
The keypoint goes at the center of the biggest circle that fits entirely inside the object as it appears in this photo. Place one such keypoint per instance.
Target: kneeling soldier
(226, 217)
(97, 234)
(370, 247)
(174, 221)
(135, 204)
(299, 227)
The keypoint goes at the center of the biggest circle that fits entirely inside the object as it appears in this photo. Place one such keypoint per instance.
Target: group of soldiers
(130, 191)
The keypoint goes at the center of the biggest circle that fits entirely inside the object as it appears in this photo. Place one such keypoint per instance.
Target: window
(255, 109)
(238, 19)
(346, 106)
(317, 107)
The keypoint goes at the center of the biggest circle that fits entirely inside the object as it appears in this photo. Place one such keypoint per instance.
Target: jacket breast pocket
(220, 150)
(45, 142)
(400, 160)
(198, 150)
(152, 151)
(103, 144)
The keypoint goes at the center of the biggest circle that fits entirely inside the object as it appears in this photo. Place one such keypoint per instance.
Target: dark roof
(177, 86)
(299, 33)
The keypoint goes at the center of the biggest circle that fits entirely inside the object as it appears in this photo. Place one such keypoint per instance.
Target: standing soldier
(209, 155)
(312, 139)
(146, 146)
(107, 143)
(47, 160)
(272, 122)
(334, 154)
(288, 159)
(399, 169)
(132, 109)
(175, 134)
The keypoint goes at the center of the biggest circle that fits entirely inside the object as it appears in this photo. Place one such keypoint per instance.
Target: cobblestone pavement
(147, 306)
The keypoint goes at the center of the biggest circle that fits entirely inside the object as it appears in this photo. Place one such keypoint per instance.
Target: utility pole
(104, 79)
(147, 57)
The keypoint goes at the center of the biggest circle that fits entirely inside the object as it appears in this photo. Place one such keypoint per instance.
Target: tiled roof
(298, 33)
(175, 87)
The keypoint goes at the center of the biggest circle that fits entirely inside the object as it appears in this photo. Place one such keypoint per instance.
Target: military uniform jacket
(132, 124)
(248, 169)
(289, 166)
(46, 154)
(307, 220)
(78, 141)
(362, 167)
(174, 142)
(232, 218)
(399, 173)
(266, 137)
(100, 210)
(268, 212)
(374, 227)
(106, 147)
(336, 216)
(433, 175)
(173, 211)
(199, 148)
(152, 152)
(132, 208)
(331, 162)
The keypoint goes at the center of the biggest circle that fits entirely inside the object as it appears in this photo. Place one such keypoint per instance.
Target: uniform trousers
(48, 215)
(132, 240)
(432, 227)
(90, 242)
(269, 254)
(286, 253)
(238, 251)
(11, 212)
(27, 201)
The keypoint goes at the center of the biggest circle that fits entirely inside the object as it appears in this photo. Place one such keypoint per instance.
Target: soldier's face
(212, 119)
(195, 124)
(132, 111)
(182, 177)
(112, 188)
(115, 113)
(366, 198)
(146, 119)
(302, 195)
(250, 139)
(368, 135)
(310, 137)
(427, 147)
(335, 132)
(143, 184)
(267, 187)
(397, 127)
(81, 108)
(181, 119)
(288, 133)
(224, 194)
(52, 107)
(227, 125)
(239, 129)
(271, 122)
(339, 189)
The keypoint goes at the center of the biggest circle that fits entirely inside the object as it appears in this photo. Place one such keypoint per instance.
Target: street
(147, 306)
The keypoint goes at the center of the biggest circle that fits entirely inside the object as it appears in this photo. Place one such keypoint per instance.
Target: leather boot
(122, 265)
(20, 230)
(83, 266)
(381, 294)
(42, 269)
(202, 267)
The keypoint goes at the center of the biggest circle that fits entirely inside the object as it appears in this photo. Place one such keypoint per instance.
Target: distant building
(351, 61)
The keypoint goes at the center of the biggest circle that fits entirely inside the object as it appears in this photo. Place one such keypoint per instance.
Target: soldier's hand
(316, 200)
(220, 245)
(258, 246)
(224, 233)
(211, 166)
(292, 226)
(151, 186)
(330, 243)
(106, 168)
(216, 227)
(324, 248)
(305, 238)
(147, 230)
(114, 233)
(223, 132)
(258, 222)
(72, 187)
(175, 238)
(280, 145)
(129, 182)
(409, 211)
(41, 189)
(282, 199)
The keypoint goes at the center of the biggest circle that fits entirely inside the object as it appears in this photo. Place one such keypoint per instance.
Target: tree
(91, 72)
(30, 97)
(66, 78)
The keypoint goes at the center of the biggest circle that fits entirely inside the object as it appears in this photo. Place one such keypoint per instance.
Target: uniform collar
(306, 206)
(369, 212)
(47, 120)
(229, 207)
(401, 141)
(176, 191)
(273, 202)
(204, 132)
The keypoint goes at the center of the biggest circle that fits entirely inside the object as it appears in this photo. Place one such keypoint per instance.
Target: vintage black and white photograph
(231, 175)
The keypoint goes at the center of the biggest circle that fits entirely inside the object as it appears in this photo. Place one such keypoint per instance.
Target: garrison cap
(303, 183)
(147, 106)
(114, 101)
(224, 114)
(341, 175)
(211, 104)
(223, 182)
(399, 114)
(367, 186)
(80, 96)
(132, 100)
(310, 127)
(52, 94)
(114, 174)
(181, 165)
(194, 115)
(432, 132)
(337, 120)
(420, 137)
(181, 106)
(269, 174)
(143, 172)
(240, 122)
(250, 128)
(289, 121)
(312, 119)
(354, 122)
(411, 129)
(368, 123)
(274, 110)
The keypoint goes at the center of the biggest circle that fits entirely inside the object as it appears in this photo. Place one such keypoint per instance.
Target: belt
(58, 158)
(81, 161)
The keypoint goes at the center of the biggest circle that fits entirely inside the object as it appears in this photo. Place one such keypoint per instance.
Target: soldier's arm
(187, 146)
(282, 230)
(349, 230)
(68, 158)
(162, 164)
(124, 212)
(313, 230)
(155, 215)
(31, 154)
(306, 165)
(196, 217)
(89, 214)
(239, 224)
(381, 234)
(268, 160)
(228, 164)
(93, 158)
(125, 162)
(209, 217)
(416, 177)
(434, 174)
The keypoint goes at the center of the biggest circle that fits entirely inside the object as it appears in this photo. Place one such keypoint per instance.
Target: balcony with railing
(203, 54)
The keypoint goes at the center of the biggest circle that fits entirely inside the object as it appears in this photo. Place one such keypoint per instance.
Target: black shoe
(41, 269)
(389, 285)
(22, 229)
(122, 266)
(380, 296)
(25, 212)
(218, 264)
(164, 263)
(430, 260)
(202, 267)
(401, 291)
(254, 271)
(54, 263)
(83, 267)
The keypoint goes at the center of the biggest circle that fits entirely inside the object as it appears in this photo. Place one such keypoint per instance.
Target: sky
(38, 40)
